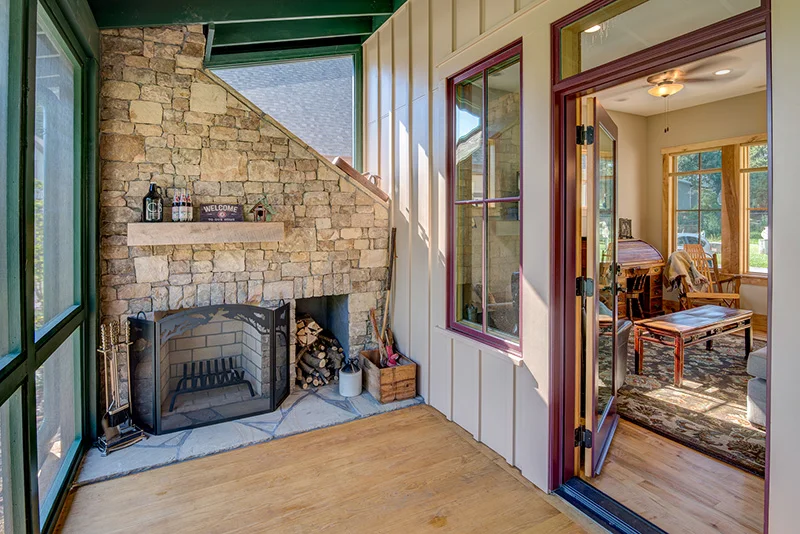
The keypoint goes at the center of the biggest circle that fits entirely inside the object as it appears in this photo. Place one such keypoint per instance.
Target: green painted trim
(290, 30)
(80, 18)
(242, 59)
(358, 109)
(127, 13)
(212, 30)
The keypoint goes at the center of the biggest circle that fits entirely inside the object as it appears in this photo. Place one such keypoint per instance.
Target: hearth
(209, 364)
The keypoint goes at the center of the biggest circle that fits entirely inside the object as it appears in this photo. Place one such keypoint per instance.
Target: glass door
(599, 302)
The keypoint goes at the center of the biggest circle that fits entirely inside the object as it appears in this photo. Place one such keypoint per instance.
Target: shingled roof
(312, 98)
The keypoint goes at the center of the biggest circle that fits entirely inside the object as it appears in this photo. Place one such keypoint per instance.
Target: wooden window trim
(749, 277)
(735, 210)
(482, 336)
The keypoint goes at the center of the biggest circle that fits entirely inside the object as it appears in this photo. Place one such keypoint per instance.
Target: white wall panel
(420, 47)
(402, 51)
(385, 137)
(386, 63)
(372, 148)
(495, 11)
(441, 377)
(420, 238)
(402, 208)
(371, 81)
(466, 386)
(467, 21)
(504, 405)
(497, 403)
(441, 29)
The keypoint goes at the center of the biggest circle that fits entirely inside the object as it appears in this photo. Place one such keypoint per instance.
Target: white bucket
(350, 383)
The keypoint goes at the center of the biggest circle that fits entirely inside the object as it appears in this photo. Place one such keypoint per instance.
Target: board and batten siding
(502, 400)
(503, 404)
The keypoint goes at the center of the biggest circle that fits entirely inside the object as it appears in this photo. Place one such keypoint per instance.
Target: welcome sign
(221, 213)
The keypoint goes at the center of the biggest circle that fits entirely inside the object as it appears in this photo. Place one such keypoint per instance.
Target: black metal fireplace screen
(207, 365)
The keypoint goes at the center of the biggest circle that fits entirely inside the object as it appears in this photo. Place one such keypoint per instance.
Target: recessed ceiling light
(595, 28)
(723, 72)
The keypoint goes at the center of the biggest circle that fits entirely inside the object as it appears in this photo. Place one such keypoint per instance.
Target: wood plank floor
(678, 488)
(407, 471)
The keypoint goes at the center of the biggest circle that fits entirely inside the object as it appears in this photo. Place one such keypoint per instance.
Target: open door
(597, 288)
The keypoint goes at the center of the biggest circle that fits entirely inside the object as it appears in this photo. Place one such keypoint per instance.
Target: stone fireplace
(167, 120)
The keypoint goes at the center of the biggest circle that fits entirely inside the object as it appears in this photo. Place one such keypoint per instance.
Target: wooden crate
(389, 384)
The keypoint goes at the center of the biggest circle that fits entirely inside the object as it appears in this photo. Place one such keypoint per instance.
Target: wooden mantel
(200, 233)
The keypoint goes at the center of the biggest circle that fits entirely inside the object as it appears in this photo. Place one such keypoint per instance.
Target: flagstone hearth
(300, 412)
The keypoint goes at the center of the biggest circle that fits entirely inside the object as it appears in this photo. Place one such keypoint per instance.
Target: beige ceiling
(748, 66)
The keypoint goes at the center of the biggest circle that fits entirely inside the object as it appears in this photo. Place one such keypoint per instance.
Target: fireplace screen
(206, 365)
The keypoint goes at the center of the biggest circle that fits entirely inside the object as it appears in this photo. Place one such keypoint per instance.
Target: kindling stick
(392, 249)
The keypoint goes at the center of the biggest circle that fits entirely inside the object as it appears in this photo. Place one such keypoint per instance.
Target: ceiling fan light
(722, 72)
(665, 89)
(593, 29)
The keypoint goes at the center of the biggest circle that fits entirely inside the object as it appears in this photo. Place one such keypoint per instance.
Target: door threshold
(604, 510)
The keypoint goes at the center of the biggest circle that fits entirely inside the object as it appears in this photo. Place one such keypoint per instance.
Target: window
(621, 28)
(56, 201)
(485, 191)
(698, 200)
(313, 98)
(45, 323)
(755, 178)
(56, 417)
(716, 194)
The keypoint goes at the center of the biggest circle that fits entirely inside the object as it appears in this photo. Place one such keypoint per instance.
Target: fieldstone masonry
(164, 119)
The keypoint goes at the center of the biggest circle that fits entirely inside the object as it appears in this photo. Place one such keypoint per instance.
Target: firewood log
(307, 369)
(313, 361)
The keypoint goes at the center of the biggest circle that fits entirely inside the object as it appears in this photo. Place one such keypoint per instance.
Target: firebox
(210, 364)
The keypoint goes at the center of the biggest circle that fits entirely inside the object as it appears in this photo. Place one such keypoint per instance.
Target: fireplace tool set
(118, 428)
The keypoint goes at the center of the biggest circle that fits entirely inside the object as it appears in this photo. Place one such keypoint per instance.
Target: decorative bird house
(262, 211)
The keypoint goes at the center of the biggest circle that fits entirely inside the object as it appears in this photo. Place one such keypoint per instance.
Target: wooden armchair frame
(723, 290)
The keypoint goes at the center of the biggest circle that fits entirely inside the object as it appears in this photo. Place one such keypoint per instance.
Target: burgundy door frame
(747, 27)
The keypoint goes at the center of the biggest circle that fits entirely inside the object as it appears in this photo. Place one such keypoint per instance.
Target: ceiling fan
(670, 82)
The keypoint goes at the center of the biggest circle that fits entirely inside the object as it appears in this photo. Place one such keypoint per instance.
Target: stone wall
(164, 119)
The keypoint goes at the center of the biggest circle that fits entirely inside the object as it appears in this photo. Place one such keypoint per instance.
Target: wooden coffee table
(689, 327)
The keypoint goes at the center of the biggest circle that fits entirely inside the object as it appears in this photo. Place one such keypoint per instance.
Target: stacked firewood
(319, 355)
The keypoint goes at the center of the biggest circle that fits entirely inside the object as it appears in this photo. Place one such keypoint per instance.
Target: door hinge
(585, 135)
(583, 437)
(584, 287)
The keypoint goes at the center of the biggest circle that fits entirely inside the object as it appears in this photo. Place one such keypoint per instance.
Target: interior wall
(632, 169)
(733, 117)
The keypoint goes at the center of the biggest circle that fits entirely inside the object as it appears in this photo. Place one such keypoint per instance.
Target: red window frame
(482, 66)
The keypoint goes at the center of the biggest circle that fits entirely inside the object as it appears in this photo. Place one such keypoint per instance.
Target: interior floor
(677, 488)
(404, 471)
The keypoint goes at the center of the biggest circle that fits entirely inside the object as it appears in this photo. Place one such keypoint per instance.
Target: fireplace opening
(331, 313)
(211, 364)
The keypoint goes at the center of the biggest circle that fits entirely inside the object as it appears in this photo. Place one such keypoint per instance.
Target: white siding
(503, 402)
(506, 405)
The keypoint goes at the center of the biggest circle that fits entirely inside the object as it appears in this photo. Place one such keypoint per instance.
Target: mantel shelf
(202, 233)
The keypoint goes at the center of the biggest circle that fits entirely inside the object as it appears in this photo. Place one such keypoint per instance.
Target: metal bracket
(583, 437)
(585, 135)
(584, 287)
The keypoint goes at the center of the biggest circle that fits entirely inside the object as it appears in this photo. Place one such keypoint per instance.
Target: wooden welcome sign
(221, 213)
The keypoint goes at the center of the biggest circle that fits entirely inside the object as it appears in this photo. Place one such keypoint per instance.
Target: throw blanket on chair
(680, 265)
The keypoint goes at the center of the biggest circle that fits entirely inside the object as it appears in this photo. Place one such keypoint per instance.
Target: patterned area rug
(709, 412)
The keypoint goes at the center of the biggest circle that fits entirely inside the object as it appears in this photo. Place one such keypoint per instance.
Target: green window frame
(32, 360)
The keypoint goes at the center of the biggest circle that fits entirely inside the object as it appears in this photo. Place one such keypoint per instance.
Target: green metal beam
(261, 57)
(127, 13)
(291, 30)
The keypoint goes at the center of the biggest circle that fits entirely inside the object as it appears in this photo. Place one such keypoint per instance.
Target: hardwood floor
(679, 489)
(407, 471)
